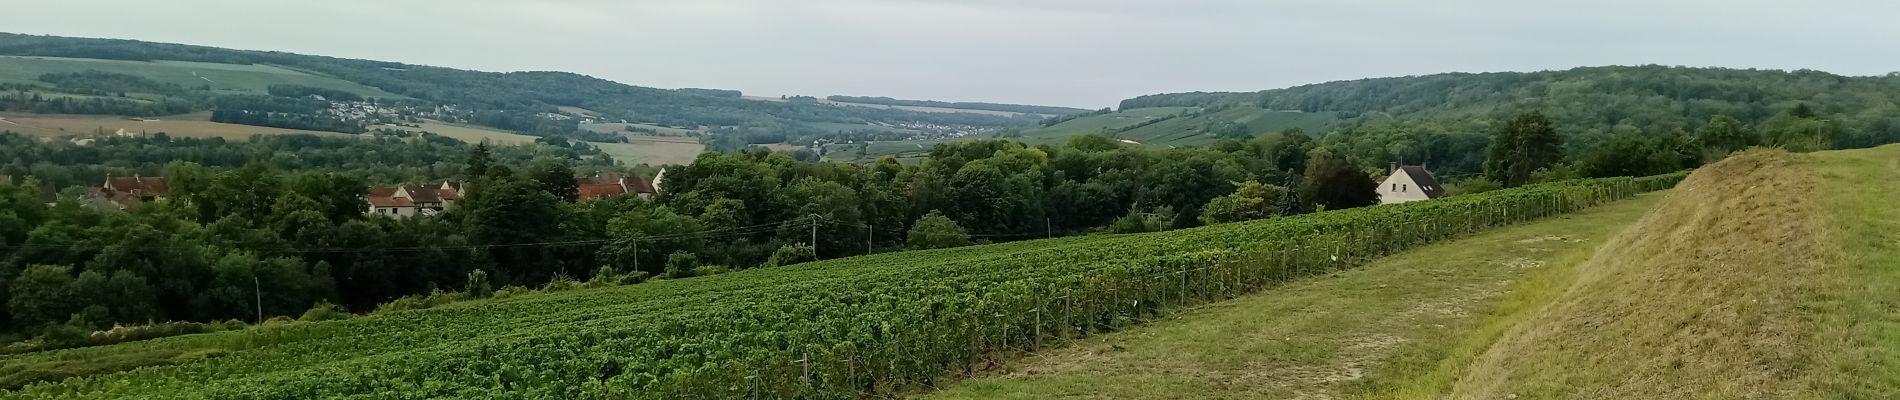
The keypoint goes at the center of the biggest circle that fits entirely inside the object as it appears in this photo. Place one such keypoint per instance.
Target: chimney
(1394, 170)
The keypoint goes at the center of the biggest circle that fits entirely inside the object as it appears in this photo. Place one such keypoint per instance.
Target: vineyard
(840, 329)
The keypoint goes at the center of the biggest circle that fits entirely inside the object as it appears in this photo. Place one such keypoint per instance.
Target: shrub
(705, 270)
(1472, 186)
(935, 231)
(511, 291)
(1141, 222)
(63, 336)
(326, 312)
(478, 285)
(792, 254)
(680, 264)
(561, 282)
(122, 333)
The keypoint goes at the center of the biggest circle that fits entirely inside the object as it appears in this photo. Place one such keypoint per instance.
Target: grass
(196, 125)
(1726, 290)
(253, 79)
(1768, 275)
(1318, 338)
(1861, 190)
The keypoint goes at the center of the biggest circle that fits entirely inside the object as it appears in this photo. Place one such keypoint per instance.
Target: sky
(1079, 53)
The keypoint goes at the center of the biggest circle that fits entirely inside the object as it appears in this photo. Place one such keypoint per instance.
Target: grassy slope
(1766, 276)
(1731, 288)
(221, 77)
(1861, 190)
(1316, 338)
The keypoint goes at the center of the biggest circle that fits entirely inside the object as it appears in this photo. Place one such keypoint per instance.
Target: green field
(1769, 275)
(1097, 123)
(221, 77)
(879, 324)
(1322, 337)
(1187, 131)
(616, 127)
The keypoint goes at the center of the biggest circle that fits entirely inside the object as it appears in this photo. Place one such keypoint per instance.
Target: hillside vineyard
(834, 329)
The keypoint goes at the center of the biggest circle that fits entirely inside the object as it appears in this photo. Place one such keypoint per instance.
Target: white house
(1409, 183)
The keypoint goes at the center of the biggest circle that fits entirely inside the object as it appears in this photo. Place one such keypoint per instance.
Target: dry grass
(196, 125)
(1718, 293)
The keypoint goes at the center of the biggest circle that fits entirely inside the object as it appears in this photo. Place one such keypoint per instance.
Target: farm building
(405, 201)
(123, 192)
(1409, 183)
(610, 185)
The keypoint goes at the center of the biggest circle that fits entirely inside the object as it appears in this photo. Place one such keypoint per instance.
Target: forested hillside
(508, 96)
(1440, 119)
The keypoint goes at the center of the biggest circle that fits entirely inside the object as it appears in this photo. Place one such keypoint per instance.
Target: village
(398, 201)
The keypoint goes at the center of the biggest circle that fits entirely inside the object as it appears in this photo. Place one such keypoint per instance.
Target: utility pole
(869, 234)
(1047, 231)
(636, 254)
(814, 236)
(259, 289)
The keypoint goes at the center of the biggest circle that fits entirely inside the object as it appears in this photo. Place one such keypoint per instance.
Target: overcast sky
(1083, 53)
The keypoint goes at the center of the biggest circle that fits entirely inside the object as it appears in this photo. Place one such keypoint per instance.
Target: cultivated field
(1336, 336)
(642, 149)
(1767, 275)
(907, 108)
(845, 328)
(1187, 131)
(1096, 123)
(616, 127)
(220, 77)
(196, 125)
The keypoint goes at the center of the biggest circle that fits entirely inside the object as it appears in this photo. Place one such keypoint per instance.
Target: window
(1395, 187)
(1404, 187)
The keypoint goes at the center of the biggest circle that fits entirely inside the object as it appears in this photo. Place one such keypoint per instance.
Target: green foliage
(512, 101)
(1251, 200)
(793, 253)
(478, 285)
(1527, 143)
(707, 270)
(1472, 185)
(1139, 221)
(42, 296)
(324, 311)
(935, 231)
(1723, 135)
(511, 291)
(680, 264)
(1332, 182)
(892, 321)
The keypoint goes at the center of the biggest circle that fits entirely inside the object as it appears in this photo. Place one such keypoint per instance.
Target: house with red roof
(610, 185)
(407, 201)
(125, 192)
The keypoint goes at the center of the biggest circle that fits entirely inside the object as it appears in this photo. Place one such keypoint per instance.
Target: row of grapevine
(836, 329)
